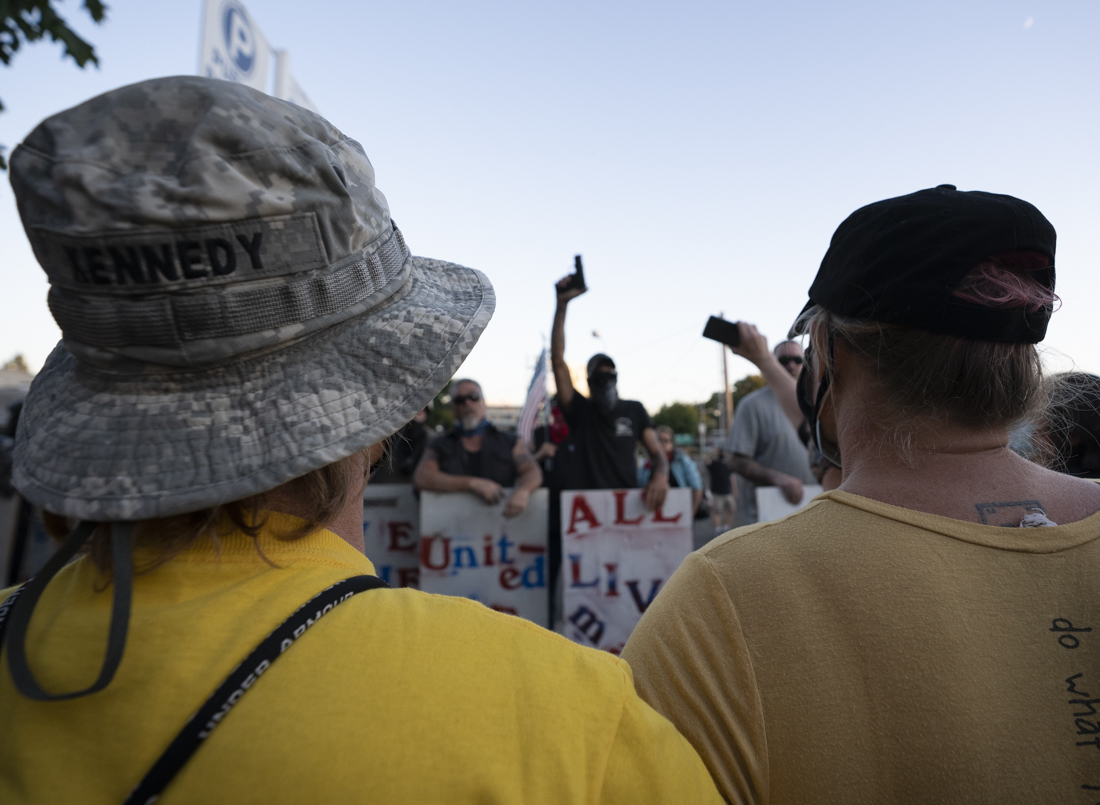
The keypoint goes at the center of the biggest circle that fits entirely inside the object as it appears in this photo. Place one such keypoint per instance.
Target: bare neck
(348, 524)
(954, 471)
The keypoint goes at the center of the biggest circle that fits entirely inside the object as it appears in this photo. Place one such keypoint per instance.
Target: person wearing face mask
(930, 631)
(244, 330)
(476, 457)
(607, 428)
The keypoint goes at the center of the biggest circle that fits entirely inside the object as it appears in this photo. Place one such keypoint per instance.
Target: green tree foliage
(681, 417)
(717, 403)
(746, 385)
(30, 20)
(684, 417)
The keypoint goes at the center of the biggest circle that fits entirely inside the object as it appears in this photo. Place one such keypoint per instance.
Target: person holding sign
(930, 631)
(476, 457)
(244, 329)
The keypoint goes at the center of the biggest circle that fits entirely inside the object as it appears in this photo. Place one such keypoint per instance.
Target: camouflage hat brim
(99, 446)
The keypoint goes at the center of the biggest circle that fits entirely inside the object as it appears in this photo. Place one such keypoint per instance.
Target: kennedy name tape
(183, 258)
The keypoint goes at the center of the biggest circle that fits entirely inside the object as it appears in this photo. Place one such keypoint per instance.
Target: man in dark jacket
(476, 457)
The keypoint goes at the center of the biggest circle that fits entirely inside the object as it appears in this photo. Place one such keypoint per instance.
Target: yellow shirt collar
(322, 546)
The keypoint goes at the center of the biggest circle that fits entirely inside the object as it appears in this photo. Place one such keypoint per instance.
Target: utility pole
(726, 387)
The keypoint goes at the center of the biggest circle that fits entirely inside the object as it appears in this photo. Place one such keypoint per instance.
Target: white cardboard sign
(771, 505)
(391, 533)
(616, 556)
(468, 548)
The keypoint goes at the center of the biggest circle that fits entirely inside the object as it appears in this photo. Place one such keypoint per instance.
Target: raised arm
(557, 343)
(754, 348)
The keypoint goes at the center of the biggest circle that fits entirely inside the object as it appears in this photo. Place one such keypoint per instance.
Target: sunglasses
(462, 399)
(787, 360)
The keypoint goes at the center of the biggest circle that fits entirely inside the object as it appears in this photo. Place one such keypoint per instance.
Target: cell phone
(576, 280)
(722, 331)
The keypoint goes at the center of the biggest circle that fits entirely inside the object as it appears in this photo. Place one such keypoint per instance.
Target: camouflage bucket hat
(236, 305)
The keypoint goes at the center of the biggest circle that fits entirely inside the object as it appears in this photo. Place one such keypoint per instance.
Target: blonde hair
(324, 492)
(924, 379)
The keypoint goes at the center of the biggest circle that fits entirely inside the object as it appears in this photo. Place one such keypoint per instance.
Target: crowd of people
(245, 330)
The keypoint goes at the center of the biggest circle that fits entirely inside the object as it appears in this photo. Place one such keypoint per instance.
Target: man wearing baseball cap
(930, 632)
(243, 328)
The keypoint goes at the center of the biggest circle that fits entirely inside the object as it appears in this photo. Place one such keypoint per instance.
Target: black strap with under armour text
(239, 681)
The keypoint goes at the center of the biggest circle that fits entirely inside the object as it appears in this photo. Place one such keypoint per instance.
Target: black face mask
(603, 386)
(810, 406)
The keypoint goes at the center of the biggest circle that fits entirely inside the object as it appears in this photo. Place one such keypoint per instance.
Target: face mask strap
(122, 563)
(812, 409)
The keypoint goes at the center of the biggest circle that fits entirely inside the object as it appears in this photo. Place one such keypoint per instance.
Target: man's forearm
(660, 463)
(783, 386)
(562, 379)
(530, 477)
(557, 337)
(433, 480)
(756, 472)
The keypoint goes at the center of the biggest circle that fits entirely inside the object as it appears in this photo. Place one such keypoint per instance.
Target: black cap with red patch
(898, 261)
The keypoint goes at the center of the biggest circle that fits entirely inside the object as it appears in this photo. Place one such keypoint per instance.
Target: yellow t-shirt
(394, 696)
(857, 652)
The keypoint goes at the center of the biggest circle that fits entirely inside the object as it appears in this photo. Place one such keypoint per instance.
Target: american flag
(536, 394)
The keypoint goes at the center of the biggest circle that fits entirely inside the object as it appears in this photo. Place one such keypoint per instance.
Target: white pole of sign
(295, 94)
(468, 548)
(616, 557)
(282, 75)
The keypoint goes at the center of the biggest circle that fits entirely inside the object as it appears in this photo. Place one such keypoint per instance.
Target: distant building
(505, 417)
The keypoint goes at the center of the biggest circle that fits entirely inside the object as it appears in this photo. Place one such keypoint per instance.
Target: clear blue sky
(698, 154)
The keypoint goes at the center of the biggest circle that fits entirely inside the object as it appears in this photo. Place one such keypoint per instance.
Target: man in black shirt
(607, 429)
(476, 457)
(557, 454)
(562, 466)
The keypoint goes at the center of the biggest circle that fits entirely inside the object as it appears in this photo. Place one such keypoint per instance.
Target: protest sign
(391, 533)
(771, 505)
(616, 557)
(468, 548)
